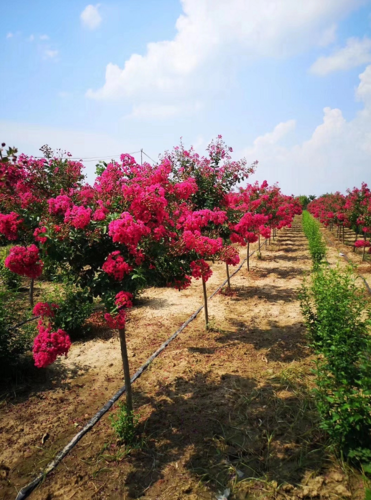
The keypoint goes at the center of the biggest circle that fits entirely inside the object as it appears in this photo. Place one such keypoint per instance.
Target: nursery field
(171, 331)
(226, 412)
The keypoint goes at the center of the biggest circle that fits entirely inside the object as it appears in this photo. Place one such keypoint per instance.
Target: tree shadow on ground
(290, 258)
(25, 379)
(152, 302)
(282, 344)
(287, 248)
(271, 293)
(280, 272)
(226, 428)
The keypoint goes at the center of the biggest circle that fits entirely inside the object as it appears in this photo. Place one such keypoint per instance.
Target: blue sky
(286, 83)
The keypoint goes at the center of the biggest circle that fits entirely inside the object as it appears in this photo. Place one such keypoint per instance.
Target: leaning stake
(125, 364)
(205, 305)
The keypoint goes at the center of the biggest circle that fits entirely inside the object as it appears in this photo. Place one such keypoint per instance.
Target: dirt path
(226, 408)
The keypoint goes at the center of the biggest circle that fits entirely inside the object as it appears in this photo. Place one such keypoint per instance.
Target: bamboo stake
(205, 305)
(31, 292)
(125, 363)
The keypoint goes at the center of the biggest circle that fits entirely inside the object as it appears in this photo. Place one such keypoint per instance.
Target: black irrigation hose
(329, 242)
(28, 489)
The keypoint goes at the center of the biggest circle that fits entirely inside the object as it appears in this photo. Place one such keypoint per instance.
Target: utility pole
(141, 156)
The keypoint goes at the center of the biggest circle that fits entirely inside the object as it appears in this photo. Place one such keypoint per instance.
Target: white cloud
(44, 37)
(9, 35)
(31, 38)
(51, 54)
(213, 39)
(336, 156)
(364, 88)
(149, 111)
(90, 16)
(356, 53)
(328, 36)
(272, 138)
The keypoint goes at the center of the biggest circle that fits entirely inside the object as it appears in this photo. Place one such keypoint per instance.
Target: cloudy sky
(286, 82)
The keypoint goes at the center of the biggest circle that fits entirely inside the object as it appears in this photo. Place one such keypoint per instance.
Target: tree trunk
(125, 364)
(205, 305)
(364, 248)
(31, 291)
(228, 278)
(259, 243)
(248, 256)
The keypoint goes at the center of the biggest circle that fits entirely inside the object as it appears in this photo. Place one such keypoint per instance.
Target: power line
(103, 158)
(149, 157)
(91, 158)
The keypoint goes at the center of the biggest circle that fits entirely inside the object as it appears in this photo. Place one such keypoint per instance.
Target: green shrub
(317, 246)
(52, 272)
(125, 423)
(13, 342)
(73, 311)
(11, 280)
(338, 318)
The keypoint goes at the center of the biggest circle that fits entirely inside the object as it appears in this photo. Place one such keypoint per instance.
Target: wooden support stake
(125, 364)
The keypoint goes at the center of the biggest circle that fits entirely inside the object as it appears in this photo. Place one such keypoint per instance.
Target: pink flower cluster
(48, 345)
(201, 218)
(249, 227)
(9, 225)
(230, 256)
(181, 284)
(126, 231)
(45, 309)
(25, 261)
(201, 269)
(184, 190)
(78, 217)
(117, 321)
(203, 245)
(362, 243)
(59, 205)
(123, 301)
(37, 234)
(116, 266)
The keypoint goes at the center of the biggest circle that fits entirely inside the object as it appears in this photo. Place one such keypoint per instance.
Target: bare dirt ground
(336, 247)
(225, 408)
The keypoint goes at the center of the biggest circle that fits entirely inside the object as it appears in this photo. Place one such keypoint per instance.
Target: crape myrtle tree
(137, 226)
(262, 209)
(208, 212)
(26, 183)
(352, 211)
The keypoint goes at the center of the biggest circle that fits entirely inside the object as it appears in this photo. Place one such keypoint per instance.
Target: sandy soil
(225, 408)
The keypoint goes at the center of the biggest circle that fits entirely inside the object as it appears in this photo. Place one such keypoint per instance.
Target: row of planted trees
(137, 226)
(352, 211)
(337, 314)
